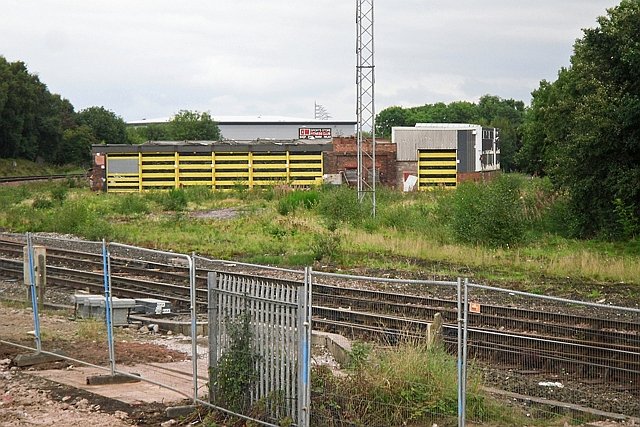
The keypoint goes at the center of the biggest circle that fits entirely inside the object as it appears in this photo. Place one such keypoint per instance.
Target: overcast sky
(152, 58)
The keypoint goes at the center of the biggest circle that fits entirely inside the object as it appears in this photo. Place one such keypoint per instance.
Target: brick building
(343, 161)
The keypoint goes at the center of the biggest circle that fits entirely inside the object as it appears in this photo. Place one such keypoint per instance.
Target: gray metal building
(253, 128)
(446, 153)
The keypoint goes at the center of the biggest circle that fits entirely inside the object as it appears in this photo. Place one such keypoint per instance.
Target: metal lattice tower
(321, 113)
(365, 106)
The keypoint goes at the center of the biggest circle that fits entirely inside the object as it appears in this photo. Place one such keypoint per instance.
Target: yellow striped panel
(437, 155)
(270, 174)
(201, 166)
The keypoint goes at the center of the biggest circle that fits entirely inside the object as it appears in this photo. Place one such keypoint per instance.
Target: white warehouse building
(444, 154)
(253, 128)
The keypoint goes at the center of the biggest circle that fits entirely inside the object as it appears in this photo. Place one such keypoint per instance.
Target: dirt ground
(26, 399)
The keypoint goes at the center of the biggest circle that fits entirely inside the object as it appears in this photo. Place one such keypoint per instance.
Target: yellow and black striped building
(217, 165)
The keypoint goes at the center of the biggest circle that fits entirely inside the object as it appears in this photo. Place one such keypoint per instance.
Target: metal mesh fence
(379, 360)
(394, 371)
(552, 357)
(77, 268)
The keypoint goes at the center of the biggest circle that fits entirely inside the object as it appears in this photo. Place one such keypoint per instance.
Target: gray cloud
(145, 58)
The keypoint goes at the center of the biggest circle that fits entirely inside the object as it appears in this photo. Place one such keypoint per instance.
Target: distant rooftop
(447, 125)
(245, 119)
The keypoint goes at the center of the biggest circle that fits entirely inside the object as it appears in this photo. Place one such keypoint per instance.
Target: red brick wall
(402, 168)
(345, 156)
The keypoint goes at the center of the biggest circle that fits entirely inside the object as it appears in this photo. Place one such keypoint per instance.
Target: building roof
(209, 146)
(232, 120)
(447, 125)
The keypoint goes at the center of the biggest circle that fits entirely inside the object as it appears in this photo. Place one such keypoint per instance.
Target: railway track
(14, 179)
(528, 340)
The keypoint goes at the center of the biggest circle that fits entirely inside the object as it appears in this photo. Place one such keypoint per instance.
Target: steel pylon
(365, 105)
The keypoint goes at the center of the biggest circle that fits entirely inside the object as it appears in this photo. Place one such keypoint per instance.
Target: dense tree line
(37, 124)
(490, 111)
(583, 130)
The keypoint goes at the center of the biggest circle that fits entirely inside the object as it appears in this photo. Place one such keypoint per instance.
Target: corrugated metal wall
(410, 140)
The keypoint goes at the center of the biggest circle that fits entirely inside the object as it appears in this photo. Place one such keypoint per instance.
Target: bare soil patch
(30, 400)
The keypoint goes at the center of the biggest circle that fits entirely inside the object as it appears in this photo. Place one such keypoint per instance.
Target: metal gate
(260, 341)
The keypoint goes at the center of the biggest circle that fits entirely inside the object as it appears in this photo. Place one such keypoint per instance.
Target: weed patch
(404, 385)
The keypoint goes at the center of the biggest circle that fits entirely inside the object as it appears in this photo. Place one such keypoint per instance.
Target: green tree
(193, 126)
(583, 130)
(388, 118)
(156, 132)
(508, 116)
(107, 127)
(76, 146)
(31, 118)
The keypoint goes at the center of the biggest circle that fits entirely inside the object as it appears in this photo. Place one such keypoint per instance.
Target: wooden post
(40, 273)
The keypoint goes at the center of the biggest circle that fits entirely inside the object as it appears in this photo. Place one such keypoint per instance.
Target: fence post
(308, 330)
(460, 385)
(464, 351)
(212, 320)
(304, 340)
(194, 330)
(34, 298)
(106, 260)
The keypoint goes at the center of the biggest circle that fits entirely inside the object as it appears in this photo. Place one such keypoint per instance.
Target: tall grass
(411, 231)
(403, 385)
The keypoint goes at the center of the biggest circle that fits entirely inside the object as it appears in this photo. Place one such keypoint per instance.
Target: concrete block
(180, 411)
(35, 359)
(111, 379)
(337, 345)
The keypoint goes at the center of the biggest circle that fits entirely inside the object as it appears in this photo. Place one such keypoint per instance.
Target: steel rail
(5, 179)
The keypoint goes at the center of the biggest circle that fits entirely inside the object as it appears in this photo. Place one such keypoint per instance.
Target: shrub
(326, 245)
(404, 385)
(39, 203)
(59, 193)
(232, 379)
(341, 204)
(75, 217)
(174, 200)
(297, 199)
(489, 214)
(131, 203)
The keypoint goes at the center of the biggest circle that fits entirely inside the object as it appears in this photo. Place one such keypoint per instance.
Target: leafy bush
(341, 205)
(232, 379)
(297, 199)
(40, 203)
(326, 245)
(489, 214)
(172, 200)
(626, 219)
(75, 217)
(59, 193)
(131, 203)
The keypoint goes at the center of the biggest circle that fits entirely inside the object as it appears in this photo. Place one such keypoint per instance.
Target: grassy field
(513, 233)
(510, 233)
